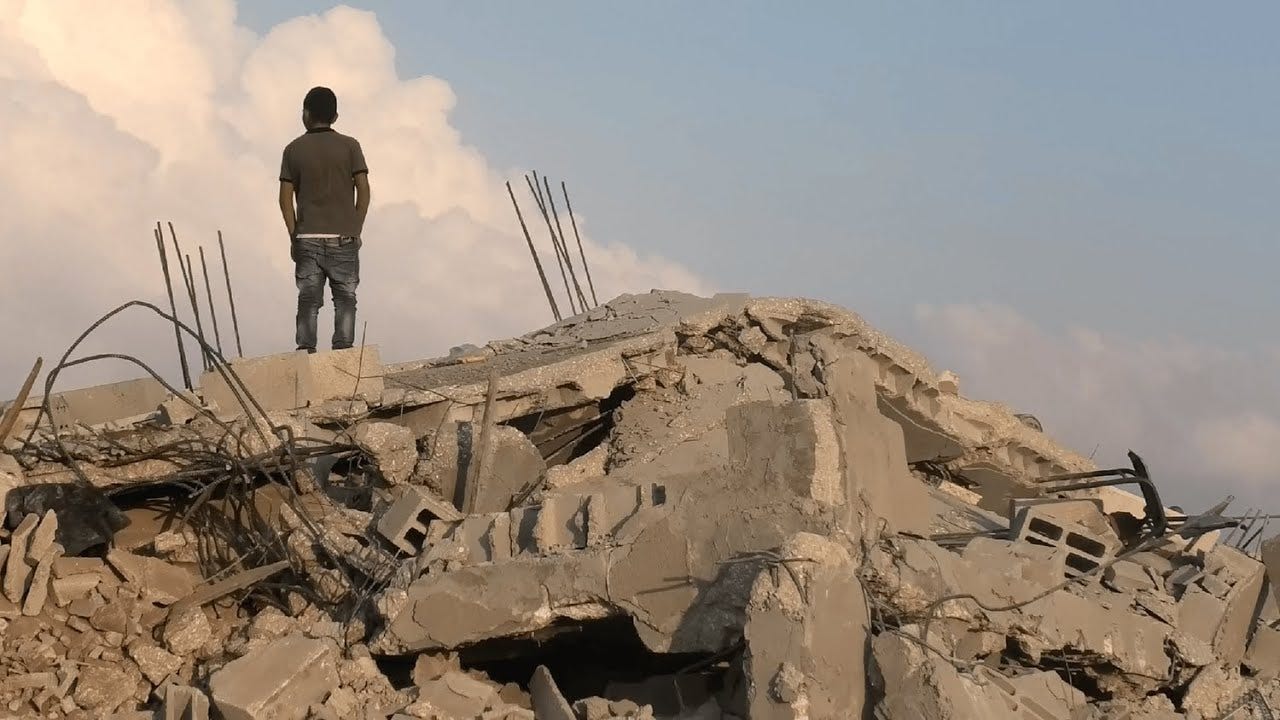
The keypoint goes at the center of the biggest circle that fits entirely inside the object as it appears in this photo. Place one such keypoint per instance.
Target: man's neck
(319, 128)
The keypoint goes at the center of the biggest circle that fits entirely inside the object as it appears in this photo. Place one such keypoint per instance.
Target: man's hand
(293, 248)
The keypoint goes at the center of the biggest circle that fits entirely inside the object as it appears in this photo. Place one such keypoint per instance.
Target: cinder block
(406, 521)
(1086, 551)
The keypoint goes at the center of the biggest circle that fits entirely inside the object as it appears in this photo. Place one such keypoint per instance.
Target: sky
(1069, 205)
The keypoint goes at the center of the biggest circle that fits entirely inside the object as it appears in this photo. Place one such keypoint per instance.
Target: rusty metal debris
(666, 507)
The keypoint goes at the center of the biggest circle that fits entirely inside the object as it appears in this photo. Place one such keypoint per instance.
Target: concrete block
(346, 374)
(17, 571)
(161, 582)
(514, 464)
(69, 588)
(792, 445)
(597, 520)
(42, 539)
(66, 566)
(1200, 614)
(1243, 603)
(806, 643)
(875, 469)
(182, 702)
(1263, 657)
(405, 522)
(279, 680)
(499, 537)
(453, 694)
(1125, 576)
(103, 404)
(277, 382)
(548, 703)
(1042, 566)
(176, 412)
(996, 487)
(561, 524)
(523, 524)
(38, 591)
(1086, 512)
(1086, 550)
(474, 534)
(392, 447)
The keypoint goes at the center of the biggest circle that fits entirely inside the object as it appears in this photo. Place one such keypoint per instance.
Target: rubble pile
(666, 507)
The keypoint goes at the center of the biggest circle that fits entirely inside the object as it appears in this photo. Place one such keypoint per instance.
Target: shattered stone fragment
(280, 680)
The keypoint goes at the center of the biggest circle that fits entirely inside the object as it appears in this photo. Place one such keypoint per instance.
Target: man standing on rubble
(325, 172)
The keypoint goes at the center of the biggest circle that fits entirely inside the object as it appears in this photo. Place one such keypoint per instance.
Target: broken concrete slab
(280, 680)
(393, 449)
(162, 582)
(352, 374)
(817, 631)
(513, 465)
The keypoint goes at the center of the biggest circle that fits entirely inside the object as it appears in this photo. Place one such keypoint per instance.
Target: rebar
(568, 258)
(195, 307)
(542, 275)
(581, 253)
(191, 291)
(173, 308)
(231, 297)
(559, 260)
(208, 290)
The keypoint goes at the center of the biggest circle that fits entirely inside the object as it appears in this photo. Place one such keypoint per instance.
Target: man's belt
(330, 240)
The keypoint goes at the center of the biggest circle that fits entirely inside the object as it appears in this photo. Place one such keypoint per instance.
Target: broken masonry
(666, 507)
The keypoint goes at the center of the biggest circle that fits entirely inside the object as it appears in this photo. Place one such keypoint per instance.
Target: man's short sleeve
(357, 159)
(286, 167)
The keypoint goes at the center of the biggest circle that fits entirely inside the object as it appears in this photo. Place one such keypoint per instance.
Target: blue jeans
(335, 260)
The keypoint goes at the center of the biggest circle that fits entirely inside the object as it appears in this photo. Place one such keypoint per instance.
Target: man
(325, 172)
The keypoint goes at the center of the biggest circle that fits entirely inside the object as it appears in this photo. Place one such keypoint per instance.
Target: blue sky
(1111, 164)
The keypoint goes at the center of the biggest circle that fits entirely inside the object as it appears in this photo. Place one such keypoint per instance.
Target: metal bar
(173, 308)
(213, 312)
(560, 261)
(195, 308)
(226, 273)
(542, 275)
(560, 256)
(578, 237)
(10, 417)
(551, 202)
(191, 293)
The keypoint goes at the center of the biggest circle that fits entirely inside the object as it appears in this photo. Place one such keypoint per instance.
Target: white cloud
(1206, 420)
(122, 113)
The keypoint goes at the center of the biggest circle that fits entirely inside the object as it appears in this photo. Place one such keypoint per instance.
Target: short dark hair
(321, 104)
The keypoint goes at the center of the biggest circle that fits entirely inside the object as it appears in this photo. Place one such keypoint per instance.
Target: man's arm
(286, 207)
(362, 199)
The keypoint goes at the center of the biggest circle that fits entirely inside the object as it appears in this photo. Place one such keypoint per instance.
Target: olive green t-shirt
(322, 165)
